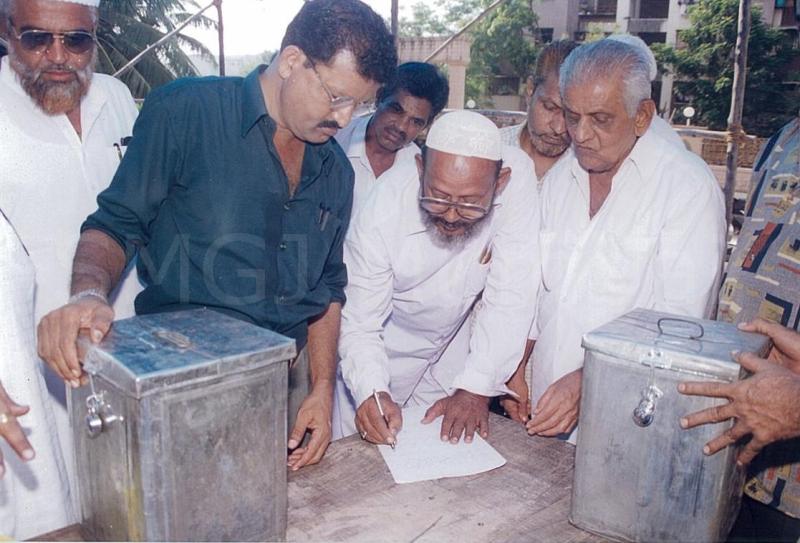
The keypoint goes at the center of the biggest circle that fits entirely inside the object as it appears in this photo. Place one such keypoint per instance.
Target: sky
(254, 26)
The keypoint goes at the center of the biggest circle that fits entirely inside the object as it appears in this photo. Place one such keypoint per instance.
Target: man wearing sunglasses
(235, 199)
(59, 124)
(422, 248)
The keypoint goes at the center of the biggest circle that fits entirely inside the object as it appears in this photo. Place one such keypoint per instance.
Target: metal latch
(645, 412)
(99, 413)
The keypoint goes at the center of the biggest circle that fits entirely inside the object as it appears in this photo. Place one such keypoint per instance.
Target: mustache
(399, 133)
(329, 124)
(56, 68)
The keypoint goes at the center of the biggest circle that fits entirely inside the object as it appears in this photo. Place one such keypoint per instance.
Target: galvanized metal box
(188, 424)
(640, 476)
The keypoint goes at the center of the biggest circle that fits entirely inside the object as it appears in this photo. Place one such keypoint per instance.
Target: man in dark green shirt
(234, 197)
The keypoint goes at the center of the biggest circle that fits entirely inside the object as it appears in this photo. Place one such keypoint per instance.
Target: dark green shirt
(202, 197)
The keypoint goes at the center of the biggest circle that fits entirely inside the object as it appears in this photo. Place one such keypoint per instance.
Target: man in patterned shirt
(763, 280)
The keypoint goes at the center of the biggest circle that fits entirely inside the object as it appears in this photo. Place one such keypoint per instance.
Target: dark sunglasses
(76, 42)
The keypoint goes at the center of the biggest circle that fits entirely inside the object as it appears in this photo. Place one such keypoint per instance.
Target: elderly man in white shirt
(628, 220)
(61, 128)
(385, 140)
(419, 253)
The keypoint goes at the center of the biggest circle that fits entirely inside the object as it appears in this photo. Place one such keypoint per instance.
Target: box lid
(148, 353)
(684, 344)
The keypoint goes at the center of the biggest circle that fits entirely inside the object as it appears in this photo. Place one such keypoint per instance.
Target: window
(543, 35)
(654, 9)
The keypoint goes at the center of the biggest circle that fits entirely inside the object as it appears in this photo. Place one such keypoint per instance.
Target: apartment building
(655, 21)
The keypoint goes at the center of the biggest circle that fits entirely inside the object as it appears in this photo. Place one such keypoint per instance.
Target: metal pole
(132, 62)
(221, 34)
(395, 26)
(469, 25)
(735, 133)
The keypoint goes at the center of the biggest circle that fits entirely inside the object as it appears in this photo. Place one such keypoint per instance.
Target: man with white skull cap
(62, 128)
(419, 253)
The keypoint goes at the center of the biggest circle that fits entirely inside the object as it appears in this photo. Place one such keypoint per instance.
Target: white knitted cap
(639, 44)
(90, 3)
(465, 133)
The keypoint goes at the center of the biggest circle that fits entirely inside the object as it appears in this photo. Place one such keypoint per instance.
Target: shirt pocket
(623, 264)
(475, 280)
(320, 244)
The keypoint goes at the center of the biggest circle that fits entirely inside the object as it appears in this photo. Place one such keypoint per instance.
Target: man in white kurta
(408, 295)
(384, 140)
(647, 231)
(51, 175)
(352, 139)
(34, 494)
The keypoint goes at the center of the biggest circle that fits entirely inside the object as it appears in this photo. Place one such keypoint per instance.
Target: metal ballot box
(181, 435)
(638, 475)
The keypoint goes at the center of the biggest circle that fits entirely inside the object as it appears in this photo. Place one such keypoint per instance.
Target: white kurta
(406, 296)
(352, 140)
(656, 243)
(50, 181)
(34, 495)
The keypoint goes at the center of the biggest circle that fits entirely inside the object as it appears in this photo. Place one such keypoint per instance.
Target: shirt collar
(253, 105)
(356, 147)
(646, 152)
(8, 77)
(644, 156)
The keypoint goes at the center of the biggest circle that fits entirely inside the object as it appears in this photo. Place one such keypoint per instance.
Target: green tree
(126, 27)
(704, 68)
(501, 42)
(502, 46)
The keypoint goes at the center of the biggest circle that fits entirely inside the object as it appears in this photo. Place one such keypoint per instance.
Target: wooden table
(351, 496)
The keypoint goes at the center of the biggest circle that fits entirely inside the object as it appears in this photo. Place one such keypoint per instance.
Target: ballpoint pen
(380, 410)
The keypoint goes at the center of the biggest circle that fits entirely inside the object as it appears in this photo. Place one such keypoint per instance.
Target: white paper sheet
(420, 454)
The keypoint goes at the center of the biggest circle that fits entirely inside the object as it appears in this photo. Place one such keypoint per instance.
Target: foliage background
(704, 69)
(501, 44)
(126, 27)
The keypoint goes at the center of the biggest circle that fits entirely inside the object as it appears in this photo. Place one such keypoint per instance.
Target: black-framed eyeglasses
(440, 206)
(338, 102)
(76, 42)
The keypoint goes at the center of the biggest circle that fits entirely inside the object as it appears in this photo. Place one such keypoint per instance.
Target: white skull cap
(465, 133)
(637, 43)
(90, 3)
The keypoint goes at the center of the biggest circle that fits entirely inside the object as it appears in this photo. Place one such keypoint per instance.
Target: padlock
(645, 412)
(94, 424)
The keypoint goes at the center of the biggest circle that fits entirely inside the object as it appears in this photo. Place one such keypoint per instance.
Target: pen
(380, 410)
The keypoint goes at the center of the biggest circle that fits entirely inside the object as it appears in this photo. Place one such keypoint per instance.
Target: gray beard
(453, 242)
(53, 97)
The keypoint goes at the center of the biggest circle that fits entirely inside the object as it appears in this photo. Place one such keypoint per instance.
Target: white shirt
(657, 243)
(34, 495)
(49, 185)
(665, 130)
(352, 139)
(406, 296)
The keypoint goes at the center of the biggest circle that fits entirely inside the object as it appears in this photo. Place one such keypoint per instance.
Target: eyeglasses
(338, 102)
(440, 206)
(76, 42)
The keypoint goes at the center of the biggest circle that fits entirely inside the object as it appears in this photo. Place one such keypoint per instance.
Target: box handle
(173, 338)
(661, 331)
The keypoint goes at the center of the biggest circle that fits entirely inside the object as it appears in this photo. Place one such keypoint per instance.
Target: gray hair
(606, 59)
